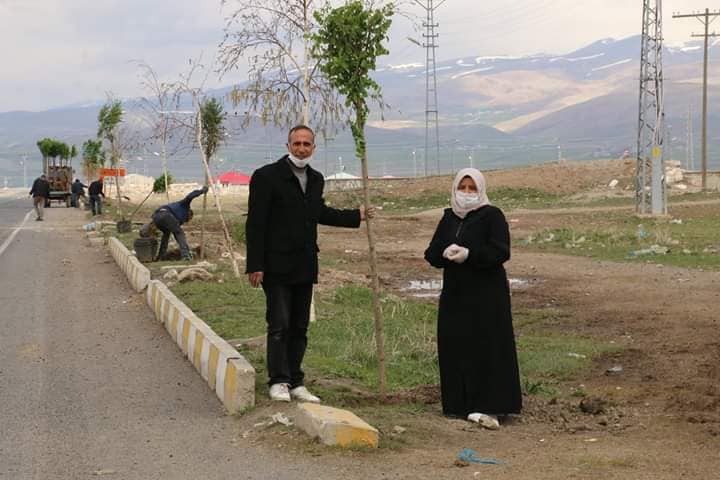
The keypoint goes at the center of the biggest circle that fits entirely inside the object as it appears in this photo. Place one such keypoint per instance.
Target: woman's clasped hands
(456, 253)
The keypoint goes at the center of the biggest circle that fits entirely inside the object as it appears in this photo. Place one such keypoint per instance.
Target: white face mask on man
(467, 200)
(299, 162)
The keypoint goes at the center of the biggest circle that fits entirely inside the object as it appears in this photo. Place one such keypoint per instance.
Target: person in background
(284, 209)
(479, 377)
(96, 194)
(40, 193)
(77, 190)
(169, 220)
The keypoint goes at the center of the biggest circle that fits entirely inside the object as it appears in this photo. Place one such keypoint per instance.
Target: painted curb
(137, 274)
(333, 426)
(227, 372)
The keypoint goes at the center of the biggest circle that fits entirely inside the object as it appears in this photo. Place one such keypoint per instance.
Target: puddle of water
(518, 283)
(432, 288)
(425, 285)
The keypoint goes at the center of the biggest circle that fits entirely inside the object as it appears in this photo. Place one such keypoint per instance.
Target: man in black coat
(40, 192)
(286, 204)
(96, 194)
(77, 190)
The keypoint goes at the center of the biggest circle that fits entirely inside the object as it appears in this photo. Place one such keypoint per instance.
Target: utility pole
(706, 18)
(690, 153)
(432, 122)
(650, 178)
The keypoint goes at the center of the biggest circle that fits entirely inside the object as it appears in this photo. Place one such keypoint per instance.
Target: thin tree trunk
(165, 169)
(306, 66)
(306, 105)
(117, 181)
(226, 232)
(377, 313)
(202, 221)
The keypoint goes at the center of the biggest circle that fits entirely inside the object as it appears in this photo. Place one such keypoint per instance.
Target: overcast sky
(56, 52)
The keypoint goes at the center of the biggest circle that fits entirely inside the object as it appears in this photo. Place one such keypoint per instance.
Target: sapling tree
(188, 86)
(109, 119)
(213, 135)
(348, 42)
(93, 157)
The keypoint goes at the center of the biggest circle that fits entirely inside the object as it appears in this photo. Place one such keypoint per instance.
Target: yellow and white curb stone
(223, 368)
(334, 426)
(138, 275)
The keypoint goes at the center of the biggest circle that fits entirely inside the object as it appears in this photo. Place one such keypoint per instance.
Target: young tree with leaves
(93, 158)
(109, 119)
(45, 146)
(348, 42)
(187, 86)
(73, 152)
(213, 134)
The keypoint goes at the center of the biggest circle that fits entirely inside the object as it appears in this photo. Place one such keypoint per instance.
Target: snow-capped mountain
(509, 109)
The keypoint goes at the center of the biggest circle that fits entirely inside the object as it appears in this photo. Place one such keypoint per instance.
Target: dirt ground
(657, 418)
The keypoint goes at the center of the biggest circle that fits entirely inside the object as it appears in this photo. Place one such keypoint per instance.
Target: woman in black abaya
(479, 377)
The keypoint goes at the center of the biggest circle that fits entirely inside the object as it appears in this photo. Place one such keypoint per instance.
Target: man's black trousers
(288, 316)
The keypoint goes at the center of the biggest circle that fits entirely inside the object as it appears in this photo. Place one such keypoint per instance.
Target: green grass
(343, 343)
(692, 244)
(341, 349)
(233, 309)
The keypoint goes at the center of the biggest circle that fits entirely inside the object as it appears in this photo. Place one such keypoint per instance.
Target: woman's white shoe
(486, 421)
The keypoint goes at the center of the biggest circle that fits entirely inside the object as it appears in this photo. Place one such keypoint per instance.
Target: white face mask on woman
(468, 200)
(299, 162)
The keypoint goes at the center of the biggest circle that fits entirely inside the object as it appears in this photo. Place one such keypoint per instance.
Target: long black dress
(476, 343)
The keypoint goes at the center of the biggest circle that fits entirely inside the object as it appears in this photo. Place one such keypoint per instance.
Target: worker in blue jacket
(169, 219)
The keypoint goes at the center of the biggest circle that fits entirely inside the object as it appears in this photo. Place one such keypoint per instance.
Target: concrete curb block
(223, 368)
(137, 274)
(333, 426)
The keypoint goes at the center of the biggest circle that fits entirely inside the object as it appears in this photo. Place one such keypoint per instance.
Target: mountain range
(494, 112)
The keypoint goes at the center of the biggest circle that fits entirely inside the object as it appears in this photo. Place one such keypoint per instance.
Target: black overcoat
(476, 343)
(281, 227)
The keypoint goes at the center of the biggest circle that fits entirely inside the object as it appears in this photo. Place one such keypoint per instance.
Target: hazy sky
(56, 52)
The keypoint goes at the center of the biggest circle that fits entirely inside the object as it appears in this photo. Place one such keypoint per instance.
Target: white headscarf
(479, 180)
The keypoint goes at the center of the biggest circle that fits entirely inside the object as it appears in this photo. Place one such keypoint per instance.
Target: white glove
(453, 249)
(460, 256)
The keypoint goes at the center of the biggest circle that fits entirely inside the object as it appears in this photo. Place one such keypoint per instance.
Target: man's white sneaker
(279, 392)
(487, 421)
(303, 394)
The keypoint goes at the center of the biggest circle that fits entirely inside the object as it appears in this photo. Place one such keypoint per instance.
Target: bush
(159, 185)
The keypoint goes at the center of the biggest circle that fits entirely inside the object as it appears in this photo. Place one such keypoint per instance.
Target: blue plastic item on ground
(470, 456)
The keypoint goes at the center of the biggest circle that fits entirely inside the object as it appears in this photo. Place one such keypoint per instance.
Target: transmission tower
(432, 123)
(650, 178)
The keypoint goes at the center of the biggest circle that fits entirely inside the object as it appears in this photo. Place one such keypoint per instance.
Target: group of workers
(41, 190)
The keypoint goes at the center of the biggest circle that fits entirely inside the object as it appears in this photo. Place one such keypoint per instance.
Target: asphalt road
(90, 383)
